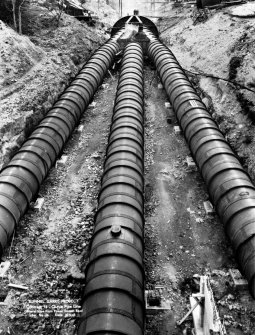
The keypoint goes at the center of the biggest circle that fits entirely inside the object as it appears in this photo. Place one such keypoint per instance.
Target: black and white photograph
(127, 167)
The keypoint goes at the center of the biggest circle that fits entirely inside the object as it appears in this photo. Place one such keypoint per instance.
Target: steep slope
(221, 47)
(35, 70)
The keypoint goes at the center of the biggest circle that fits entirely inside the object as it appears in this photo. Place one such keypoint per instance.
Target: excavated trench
(247, 106)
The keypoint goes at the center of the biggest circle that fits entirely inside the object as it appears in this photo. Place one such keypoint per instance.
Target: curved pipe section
(21, 178)
(147, 23)
(230, 188)
(114, 291)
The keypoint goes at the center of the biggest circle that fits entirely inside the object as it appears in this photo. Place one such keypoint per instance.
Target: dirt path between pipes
(180, 239)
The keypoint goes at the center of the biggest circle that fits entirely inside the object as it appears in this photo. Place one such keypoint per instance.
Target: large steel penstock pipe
(21, 178)
(229, 186)
(114, 292)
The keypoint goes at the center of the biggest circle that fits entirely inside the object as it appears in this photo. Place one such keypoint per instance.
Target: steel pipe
(21, 178)
(229, 186)
(114, 293)
(135, 19)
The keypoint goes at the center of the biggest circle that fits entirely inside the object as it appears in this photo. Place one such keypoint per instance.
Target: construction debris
(4, 267)
(238, 280)
(204, 311)
(18, 287)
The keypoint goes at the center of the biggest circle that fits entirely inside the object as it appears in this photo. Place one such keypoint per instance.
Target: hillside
(220, 47)
(35, 69)
(50, 248)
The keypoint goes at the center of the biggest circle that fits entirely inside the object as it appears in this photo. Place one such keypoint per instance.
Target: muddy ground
(50, 247)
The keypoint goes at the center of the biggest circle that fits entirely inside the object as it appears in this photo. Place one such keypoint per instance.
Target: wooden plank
(197, 315)
(188, 313)
(19, 287)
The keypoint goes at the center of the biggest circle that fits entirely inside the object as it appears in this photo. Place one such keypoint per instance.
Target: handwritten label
(60, 308)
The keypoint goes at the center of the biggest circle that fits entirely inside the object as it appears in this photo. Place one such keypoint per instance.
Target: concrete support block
(62, 161)
(92, 105)
(4, 267)
(80, 128)
(38, 204)
(208, 207)
(191, 164)
(177, 130)
(154, 302)
(239, 282)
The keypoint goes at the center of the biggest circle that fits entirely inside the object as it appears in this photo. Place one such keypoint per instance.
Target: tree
(6, 12)
(13, 8)
(56, 7)
(14, 14)
(19, 4)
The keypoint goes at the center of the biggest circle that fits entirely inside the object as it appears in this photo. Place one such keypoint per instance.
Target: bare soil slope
(222, 46)
(35, 70)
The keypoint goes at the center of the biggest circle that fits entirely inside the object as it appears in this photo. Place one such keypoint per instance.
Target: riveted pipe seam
(107, 252)
(120, 272)
(134, 124)
(119, 279)
(69, 122)
(24, 188)
(129, 169)
(40, 153)
(113, 172)
(114, 158)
